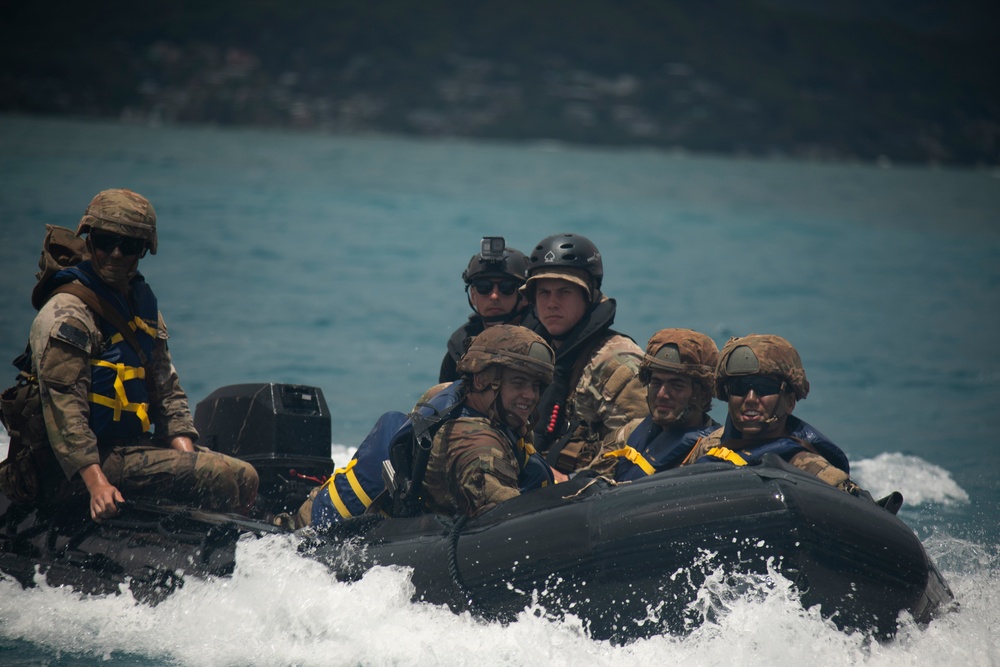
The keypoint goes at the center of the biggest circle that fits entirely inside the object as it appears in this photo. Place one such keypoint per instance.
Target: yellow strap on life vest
(635, 457)
(136, 323)
(352, 479)
(726, 454)
(528, 448)
(120, 402)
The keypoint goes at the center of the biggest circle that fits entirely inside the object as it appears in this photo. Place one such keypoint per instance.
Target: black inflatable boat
(627, 559)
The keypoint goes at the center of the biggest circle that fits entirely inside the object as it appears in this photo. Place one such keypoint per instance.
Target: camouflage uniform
(596, 387)
(773, 356)
(673, 350)
(65, 336)
(607, 397)
(472, 468)
(476, 461)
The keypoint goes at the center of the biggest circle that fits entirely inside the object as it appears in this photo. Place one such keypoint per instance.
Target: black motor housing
(277, 428)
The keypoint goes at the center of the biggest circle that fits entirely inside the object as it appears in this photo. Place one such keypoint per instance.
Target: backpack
(410, 450)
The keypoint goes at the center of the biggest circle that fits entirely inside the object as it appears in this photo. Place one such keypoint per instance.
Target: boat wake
(281, 609)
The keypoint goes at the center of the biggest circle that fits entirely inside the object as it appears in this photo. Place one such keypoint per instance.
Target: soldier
(678, 371)
(761, 377)
(480, 458)
(106, 380)
(492, 280)
(596, 387)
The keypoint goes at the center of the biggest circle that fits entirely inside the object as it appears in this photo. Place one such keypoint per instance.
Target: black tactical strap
(106, 311)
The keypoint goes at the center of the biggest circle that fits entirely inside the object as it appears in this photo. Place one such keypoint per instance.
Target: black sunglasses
(761, 385)
(129, 245)
(485, 286)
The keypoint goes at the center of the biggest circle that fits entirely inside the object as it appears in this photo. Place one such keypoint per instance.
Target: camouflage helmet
(759, 354)
(513, 265)
(121, 212)
(681, 351)
(509, 346)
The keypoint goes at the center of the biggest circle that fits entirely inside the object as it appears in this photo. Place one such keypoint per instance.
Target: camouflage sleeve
(608, 396)
(609, 392)
(62, 337)
(482, 469)
(617, 439)
(826, 471)
(701, 447)
(169, 404)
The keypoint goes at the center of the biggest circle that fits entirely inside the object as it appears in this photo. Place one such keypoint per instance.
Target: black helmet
(512, 264)
(567, 251)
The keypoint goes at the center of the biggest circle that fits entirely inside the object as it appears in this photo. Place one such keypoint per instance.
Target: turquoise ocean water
(336, 262)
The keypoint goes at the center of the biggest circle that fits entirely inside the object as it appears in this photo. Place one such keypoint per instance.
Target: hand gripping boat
(625, 558)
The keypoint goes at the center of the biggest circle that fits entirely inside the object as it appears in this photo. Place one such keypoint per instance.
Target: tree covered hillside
(707, 75)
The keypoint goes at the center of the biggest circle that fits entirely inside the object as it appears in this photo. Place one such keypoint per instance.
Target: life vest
(353, 488)
(119, 395)
(800, 437)
(650, 449)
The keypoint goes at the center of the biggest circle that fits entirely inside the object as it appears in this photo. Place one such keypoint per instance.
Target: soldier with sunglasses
(761, 378)
(117, 421)
(492, 280)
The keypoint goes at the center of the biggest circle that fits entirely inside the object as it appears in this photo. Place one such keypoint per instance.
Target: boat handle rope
(456, 576)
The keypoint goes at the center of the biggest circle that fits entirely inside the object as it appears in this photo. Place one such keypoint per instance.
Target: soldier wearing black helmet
(492, 280)
(761, 378)
(596, 387)
(678, 371)
(116, 418)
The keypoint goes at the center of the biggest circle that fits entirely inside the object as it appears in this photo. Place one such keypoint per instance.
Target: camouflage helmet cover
(509, 346)
(761, 354)
(681, 351)
(121, 212)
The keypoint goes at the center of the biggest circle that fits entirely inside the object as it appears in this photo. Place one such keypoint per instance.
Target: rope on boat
(456, 576)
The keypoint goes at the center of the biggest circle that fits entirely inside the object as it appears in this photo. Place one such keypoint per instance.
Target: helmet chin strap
(506, 318)
(774, 411)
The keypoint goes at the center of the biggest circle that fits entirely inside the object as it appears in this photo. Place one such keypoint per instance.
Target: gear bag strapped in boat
(392, 456)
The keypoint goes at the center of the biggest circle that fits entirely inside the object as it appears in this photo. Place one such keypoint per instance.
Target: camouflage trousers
(205, 478)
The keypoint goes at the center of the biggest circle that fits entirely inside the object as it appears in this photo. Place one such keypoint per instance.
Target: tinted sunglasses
(761, 385)
(485, 286)
(129, 245)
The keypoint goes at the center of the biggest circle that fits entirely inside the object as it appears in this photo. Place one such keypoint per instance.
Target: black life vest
(594, 327)
(651, 449)
(800, 437)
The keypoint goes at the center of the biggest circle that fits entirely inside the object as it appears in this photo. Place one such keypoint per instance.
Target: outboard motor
(279, 428)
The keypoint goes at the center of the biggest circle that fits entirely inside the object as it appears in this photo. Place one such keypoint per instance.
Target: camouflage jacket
(63, 372)
(472, 468)
(607, 396)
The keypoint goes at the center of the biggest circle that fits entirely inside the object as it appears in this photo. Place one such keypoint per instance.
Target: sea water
(336, 262)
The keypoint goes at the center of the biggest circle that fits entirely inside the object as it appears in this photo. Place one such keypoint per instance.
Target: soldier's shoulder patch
(72, 335)
(505, 469)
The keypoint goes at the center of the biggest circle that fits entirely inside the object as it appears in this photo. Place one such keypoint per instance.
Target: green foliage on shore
(718, 75)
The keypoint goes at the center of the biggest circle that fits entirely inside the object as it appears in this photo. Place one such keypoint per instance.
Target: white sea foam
(920, 482)
(281, 609)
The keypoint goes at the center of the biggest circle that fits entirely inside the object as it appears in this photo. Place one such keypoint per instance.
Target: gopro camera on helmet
(491, 248)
